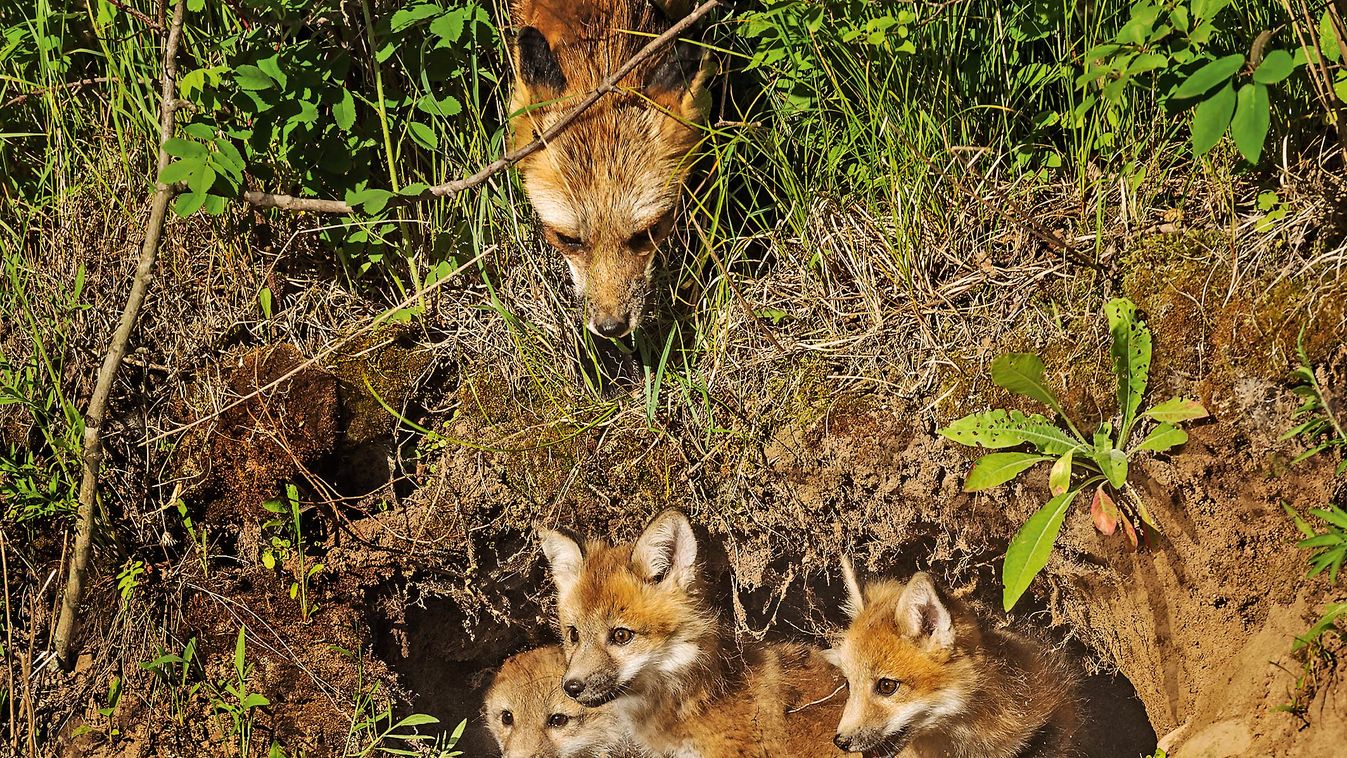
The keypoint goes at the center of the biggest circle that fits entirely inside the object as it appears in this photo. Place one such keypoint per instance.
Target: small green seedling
(1321, 428)
(1328, 547)
(287, 539)
(1100, 461)
(235, 701)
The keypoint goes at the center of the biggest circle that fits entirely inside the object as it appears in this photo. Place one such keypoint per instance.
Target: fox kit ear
(833, 656)
(539, 68)
(667, 550)
(565, 554)
(922, 615)
(855, 601)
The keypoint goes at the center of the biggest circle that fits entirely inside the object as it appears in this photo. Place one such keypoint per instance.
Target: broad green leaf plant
(1182, 49)
(1098, 462)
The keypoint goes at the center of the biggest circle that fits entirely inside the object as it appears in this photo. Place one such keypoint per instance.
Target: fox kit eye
(558, 720)
(621, 636)
(507, 718)
(568, 241)
(573, 633)
(886, 687)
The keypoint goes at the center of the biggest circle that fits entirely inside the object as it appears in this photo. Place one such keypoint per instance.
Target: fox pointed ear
(678, 81)
(539, 68)
(855, 601)
(565, 554)
(922, 615)
(667, 550)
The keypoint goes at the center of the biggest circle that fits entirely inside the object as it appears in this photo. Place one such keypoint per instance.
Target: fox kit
(531, 717)
(923, 674)
(639, 634)
(608, 187)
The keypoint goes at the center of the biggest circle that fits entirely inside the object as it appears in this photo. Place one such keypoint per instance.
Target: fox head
(632, 616)
(902, 662)
(531, 717)
(606, 189)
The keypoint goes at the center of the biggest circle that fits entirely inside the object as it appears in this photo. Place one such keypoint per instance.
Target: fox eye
(642, 241)
(573, 633)
(507, 718)
(558, 720)
(621, 636)
(567, 240)
(886, 687)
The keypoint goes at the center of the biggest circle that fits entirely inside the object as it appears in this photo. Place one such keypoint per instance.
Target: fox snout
(614, 287)
(592, 687)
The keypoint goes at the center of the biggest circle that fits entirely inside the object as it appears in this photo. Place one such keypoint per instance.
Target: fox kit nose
(573, 687)
(612, 327)
(842, 743)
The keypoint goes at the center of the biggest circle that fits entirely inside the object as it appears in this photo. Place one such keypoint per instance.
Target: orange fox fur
(925, 675)
(639, 634)
(531, 717)
(608, 188)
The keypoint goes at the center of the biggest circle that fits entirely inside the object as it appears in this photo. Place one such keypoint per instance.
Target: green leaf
(1104, 512)
(448, 27)
(372, 201)
(1205, 78)
(1328, 38)
(254, 700)
(1113, 464)
(1336, 516)
(188, 203)
(408, 16)
(1207, 9)
(344, 111)
(1059, 479)
(239, 648)
(215, 205)
(272, 68)
(1276, 66)
(445, 106)
(1300, 523)
(416, 719)
(1210, 119)
(1000, 429)
(1177, 409)
(179, 170)
(998, 468)
(1028, 551)
(181, 148)
(252, 78)
(1131, 358)
(1163, 437)
(415, 189)
(423, 135)
(1022, 373)
(1249, 126)
(200, 182)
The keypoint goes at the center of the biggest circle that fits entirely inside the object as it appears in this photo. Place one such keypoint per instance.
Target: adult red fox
(641, 638)
(608, 188)
(925, 676)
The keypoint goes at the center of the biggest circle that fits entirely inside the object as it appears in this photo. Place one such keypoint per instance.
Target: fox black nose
(842, 743)
(611, 327)
(573, 687)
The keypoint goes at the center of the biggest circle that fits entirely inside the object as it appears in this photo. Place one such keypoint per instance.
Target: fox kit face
(896, 657)
(607, 189)
(531, 717)
(631, 619)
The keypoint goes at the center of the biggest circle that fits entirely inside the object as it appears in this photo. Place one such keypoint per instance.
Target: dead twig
(449, 189)
(92, 454)
(82, 83)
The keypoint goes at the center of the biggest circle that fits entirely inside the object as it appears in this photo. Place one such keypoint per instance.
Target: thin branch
(449, 189)
(63, 638)
(141, 17)
(17, 99)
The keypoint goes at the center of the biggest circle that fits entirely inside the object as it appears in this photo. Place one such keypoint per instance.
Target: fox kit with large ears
(531, 717)
(640, 635)
(607, 189)
(924, 675)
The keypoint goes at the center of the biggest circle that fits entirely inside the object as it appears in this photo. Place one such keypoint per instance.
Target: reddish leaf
(1104, 512)
(1129, 531)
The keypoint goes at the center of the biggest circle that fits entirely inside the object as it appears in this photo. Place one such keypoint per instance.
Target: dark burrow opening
(445, 655)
